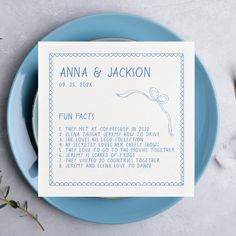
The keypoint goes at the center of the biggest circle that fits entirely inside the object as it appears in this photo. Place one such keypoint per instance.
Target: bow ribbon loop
(157, 97)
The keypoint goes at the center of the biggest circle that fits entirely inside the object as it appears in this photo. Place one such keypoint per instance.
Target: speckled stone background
(212, 25)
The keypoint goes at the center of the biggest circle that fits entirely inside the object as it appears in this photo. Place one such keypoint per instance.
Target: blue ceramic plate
(19, 117)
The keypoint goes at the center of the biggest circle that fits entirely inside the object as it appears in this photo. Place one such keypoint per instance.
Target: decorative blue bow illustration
(153, 96)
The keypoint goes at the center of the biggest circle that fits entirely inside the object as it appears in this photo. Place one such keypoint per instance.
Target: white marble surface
(212, 25)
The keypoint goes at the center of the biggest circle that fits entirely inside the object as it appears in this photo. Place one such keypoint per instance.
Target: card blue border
(53, 183)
